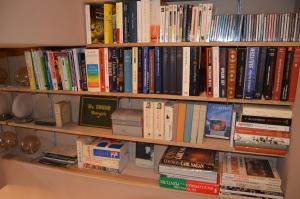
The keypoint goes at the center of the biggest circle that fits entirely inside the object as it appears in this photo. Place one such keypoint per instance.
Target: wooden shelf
(25, 46)
(229, 44)
(145, 96)
(74, 129)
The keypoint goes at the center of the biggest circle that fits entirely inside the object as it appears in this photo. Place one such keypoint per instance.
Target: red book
(209, 72)
(294, 75)
(279, 73)
(102, 70)
(203, 187)
(261, 150)
(250, 131)
(151, 69)
(231, 80)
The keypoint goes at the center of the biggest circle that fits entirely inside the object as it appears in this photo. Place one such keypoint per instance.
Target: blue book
(250, 72)
(127, 70)
(49, 79)
(158, 70)
(218, 120)
(188, 122)
(146, 71)
(132, 21)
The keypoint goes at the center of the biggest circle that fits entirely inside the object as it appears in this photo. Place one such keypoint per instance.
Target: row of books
(148, 21)
(263, 129)
(283, 27)
(56, 70)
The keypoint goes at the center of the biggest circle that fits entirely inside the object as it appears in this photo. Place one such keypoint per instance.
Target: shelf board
(145, 96)
(229, 44)
(25, 46)
(74, 129)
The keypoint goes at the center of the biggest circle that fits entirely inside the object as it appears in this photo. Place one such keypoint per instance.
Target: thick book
(181, 122)
(101, 67)
(172, 71)
(281, 51)
(202, 61)
(146, 70)
(154, 20)
(195, 123)
(92, 70)
(128, 70)
(140, 70)
(294, 75)
(194, 72)
(188, 23)
(223, 57)
(119, 22)
(165, 70)
(125, 22)
(120, 69)
(269, 73)
(159, 122)
(250, 131)
(170, 108)
(209, 72)
(96, 23)
(108, 23)
(158, 69)
(188, 122)
(216, 71)
(218, 120)
(201, 125)
(263, 126)
(261, 150)
(260, 73)
(240, 72)
(151, 71)
(287, 74)
(114, 58)
(132, 21)
(232, 67)
(186, 71)
(267, 120)
(250, 72)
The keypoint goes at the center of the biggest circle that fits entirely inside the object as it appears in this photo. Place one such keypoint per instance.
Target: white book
(199, 24)
(186, 71)
(169, 117)
(162, 23)
(267, 111)
(106, 72)
(174, 19)
(167, 23)
(88, 24)
(146, 23)
(202, 119)
(77, 66)
(80, 142)
(195, 123)
(216, 71)
(233, 120)
(179, 23)
(203, 22)
(148, 118)
(134, 69)
(209, 12)
(92, 67)
(154, 20)
(159, 122)
(36, 68)
(253, 139)
(119, 20)
(263, 126)
(139, 21)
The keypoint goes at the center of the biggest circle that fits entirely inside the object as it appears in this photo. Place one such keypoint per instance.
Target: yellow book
(108, 24)
(181, 122)
(30, 71)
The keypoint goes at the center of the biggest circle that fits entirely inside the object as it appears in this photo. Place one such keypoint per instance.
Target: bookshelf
(202, 97)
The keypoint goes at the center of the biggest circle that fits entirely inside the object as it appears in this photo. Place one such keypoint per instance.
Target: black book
(223, 72)
(140, 70)
(120, 71)
(132, 21)
(172, 71)
(188, 22)
(194, 72)
(260, 73)
(125, 23)
(179, 71)
(240, 72)
(158, 69)
(202, 60)
(267, 120)
(165, 70)
(185, 11)
(114, 54)
(287, 74)
(269, 73)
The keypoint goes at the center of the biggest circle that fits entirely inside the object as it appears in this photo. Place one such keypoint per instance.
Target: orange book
(181, 122)
(261, 150)
(102, 71)
(261, 132)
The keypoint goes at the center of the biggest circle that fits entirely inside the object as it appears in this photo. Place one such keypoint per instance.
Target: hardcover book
(240, 72)
(218, 120)
(96, 23)
(287, 74)
(260, 73)
(232, 67)
(128, 70)
(269, 73)
(250, 73)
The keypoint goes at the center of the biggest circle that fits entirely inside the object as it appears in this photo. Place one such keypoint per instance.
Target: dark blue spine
(250, 75)
(146, 71)
(158, 70)
(50, 87)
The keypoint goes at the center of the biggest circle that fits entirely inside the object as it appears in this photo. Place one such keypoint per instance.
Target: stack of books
(174, 121)
(250, 177)
(189, 169)
(263, 129)
(102, 154)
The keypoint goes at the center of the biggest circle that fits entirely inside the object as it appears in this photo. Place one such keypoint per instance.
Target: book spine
(188, 123)
(194, 72)
(189, 23)
(92, 69)
(159, 122)
(108, 24)
(148, 119)
(200, 134)
(240, 72)
(250, 72)
(162, 23)
(106, 70)
(251, 131)
(260, 73)
(195, 123)
(209, 15)
(128, 70)
(179, 63)
(139, 21)
(287, 74)
(158, 70)
(83, 76)
(209, 72)
(140, 70)
(114, 57)
(155, 21)
(263, 126)
(281, 51)
(186, 71)
(30, 71)
(147, 16)
(169, 117)
(151, 71)
(223, 73)
(119, 22)
(120, 70)
(172, 71)
(261, 150)
(165, 71)
(181, 122)
(134, 69)
(75, 53)
(125, 20)
(266, 141)
(146, 70)
(216, 71)
(88, 24)
(175, 121)
(79, 152)
(269, 73)
(110, 68)
(267, 120)
(167, 23)
(58, 115)
(48, 72)
(232, 67)
(102, 70)
(132, 24)
(294, 75)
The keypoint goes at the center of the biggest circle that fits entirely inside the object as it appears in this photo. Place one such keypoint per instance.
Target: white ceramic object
(22, 106)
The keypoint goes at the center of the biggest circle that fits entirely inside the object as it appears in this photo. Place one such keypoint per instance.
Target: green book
(44, 71)
(172, 183)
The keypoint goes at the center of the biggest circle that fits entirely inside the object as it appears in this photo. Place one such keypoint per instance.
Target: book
(201, 126)
(194, 72)
(287, 73)
(218, 120)
(144, 156)
(155, 20)
(159, 122)
(151, 71)
(172, 71)
(96, 25)
(250, 72)
(223, 72)
(158, 69)
(114, 74)
(108, 23)
(134, 70)
(128, 70)
(251, 131)
(119, 22)
(30, 70)
(261, 150)
(165, 69)
(278, 73)
(260, 73)
(107, 70)
(92, 70)
(294, 75)
(146, 70)
(195, 123)
(148, 119)
(179, 66)
(188, 122)
(132, 22)
(269, 73)
(216, 71)
(267, 111)
(63, 113)
(170, 116)
(232, 71)
(263, 126)
(120, 70)
(209, 72)
(181, 122)
(266, 120)
(139, 21)
(125, 21)
(140, 70)
(102, 70)
(186, 71)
